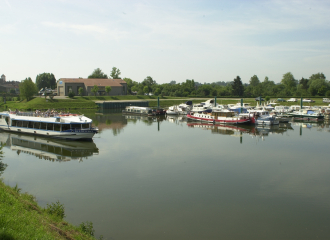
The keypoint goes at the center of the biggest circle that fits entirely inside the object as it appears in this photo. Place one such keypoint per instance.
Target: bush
(56, 209)
(71, 94)
(327, 94)
(87, 228)
(267, 98)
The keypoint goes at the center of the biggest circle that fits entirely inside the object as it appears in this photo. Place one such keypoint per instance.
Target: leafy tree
(45, 80)
(157, 92)
(288, 81)
(95, 89)
(145, 89)
(108, 89)
(318, 86)
(71, 94)
(238, 88)
(115, 72)
(317, 76)
(304, 83)
(81, 91)
(97, 73)
(148, 81)
(254, 81)
(27, 89)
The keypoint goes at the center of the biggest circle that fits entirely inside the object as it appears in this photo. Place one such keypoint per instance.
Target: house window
(69, 89)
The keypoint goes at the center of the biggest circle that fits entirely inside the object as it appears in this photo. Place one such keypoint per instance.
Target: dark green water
(145, 178)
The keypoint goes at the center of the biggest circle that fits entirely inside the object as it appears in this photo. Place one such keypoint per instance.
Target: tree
(254, 81)
(145, 89)
(27, 89)
(45, 80)
(108, 89)
(97, 73)
(238, 88)
(288, 81)
(95, 89)
(81, 91)
(115, 72)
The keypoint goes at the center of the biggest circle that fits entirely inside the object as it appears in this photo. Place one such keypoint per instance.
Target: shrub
(71, 94)
(87, 228)
(56, 209)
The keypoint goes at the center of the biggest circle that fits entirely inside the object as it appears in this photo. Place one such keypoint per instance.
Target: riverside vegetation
(22, 218)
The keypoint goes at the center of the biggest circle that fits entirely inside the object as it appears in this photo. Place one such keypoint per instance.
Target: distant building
(67, 85)
(6, 86)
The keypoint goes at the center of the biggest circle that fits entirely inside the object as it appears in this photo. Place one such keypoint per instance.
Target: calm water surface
(148, 178)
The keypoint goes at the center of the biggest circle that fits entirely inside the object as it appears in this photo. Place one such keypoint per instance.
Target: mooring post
(301, 103)
(241, 105)
(158, 102)
(215, 101)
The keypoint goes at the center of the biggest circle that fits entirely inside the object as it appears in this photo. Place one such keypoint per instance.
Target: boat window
(75, 126)
(36, 125)
(43, 125)
(85, 125)
(25, 124)
(57, 127)
(13, 122)
(30, 124)
(65, 127)
(19, 123)
(50, 126)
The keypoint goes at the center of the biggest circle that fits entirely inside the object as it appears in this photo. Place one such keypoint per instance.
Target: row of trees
(315, 85)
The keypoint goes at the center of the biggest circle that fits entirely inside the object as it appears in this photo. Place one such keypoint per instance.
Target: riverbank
(61, 103)
(22, 218)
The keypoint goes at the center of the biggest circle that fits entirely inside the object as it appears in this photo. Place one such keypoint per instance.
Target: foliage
(22, 218)
(95, 89)
(267, 98)
(27, 89)
(238, 88)
(71, 94)
(115, 72)
(108, 89)
(45, 80)
(146, 89)
(87, 228)
(97, 73)
(288, 81)
(56, 209)
(81, 91)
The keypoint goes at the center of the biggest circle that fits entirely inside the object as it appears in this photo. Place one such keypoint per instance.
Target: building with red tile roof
(67, 85)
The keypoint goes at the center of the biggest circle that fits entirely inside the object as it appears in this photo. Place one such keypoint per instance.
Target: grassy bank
(22, 218)
(89, 102)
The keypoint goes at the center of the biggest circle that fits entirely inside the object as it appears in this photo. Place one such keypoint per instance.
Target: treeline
(315, 85)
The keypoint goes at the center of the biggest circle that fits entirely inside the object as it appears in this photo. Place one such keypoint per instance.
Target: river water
(166, 178)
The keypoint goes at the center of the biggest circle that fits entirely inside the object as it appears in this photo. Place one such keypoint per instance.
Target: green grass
(88, 102)
(22, 218)
(42, 103)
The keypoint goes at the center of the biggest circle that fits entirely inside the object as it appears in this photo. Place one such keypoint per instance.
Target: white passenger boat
(135, 110)
(48, 124)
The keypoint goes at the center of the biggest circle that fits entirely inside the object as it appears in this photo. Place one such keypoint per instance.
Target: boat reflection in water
(234, 130)
(49, 149)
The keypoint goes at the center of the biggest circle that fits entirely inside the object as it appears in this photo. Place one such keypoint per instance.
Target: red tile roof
(95, 81)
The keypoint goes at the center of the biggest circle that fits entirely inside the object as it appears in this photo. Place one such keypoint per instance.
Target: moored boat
(307, 115)
(227, 117)
(135, 110)
(48, 124)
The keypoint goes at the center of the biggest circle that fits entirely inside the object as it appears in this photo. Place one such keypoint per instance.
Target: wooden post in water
(158, 102)
(301, 103)
(241, 105)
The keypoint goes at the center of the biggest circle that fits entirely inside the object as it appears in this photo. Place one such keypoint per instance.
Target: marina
(243, 177)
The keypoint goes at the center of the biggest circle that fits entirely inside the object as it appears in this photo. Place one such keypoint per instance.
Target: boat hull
(225, 121)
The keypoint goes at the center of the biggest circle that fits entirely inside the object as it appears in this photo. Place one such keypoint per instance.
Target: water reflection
(49, 149)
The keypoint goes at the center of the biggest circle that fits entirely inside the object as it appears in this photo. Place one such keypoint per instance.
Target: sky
(208, 41)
